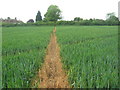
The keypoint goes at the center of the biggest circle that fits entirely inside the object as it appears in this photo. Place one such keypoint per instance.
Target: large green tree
(38, 16)
(53, 13)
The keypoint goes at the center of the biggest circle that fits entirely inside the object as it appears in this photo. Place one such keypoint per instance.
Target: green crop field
(23, 51)
(90, 55)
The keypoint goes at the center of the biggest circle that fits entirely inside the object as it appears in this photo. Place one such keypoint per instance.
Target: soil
(52, 75)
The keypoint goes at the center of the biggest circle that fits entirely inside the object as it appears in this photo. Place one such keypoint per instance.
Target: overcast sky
(86, 9)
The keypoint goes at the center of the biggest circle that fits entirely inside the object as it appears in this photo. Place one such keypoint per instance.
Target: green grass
(90, 55)
(23, 54)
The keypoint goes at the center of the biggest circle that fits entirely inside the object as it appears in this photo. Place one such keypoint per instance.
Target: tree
(8, 18)
(15, 18)
(30, 21)
(109, 15)
(112, 19)
(53, 13)
(77, 19)
(38, 16)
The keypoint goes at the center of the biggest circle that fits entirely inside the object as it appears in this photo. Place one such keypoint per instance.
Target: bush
(81, 22)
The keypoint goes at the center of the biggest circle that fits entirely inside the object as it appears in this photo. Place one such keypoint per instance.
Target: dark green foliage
(30, 21)
(38, 17)
(112, 19)
(83, 22)
(77, 19)
(8, 18)
(53, 14)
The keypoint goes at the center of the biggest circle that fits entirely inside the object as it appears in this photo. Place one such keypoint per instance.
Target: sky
(86, 9)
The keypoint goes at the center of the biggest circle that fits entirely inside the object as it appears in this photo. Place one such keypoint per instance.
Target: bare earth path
(52, 74)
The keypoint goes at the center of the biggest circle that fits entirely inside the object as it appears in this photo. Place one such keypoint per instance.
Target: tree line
(53, 17)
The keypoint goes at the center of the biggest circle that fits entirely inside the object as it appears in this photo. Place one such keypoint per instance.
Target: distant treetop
(53, 13)
(30, 21)
(38, 16)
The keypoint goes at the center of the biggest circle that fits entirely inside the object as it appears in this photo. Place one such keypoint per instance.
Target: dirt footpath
(52, 74)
